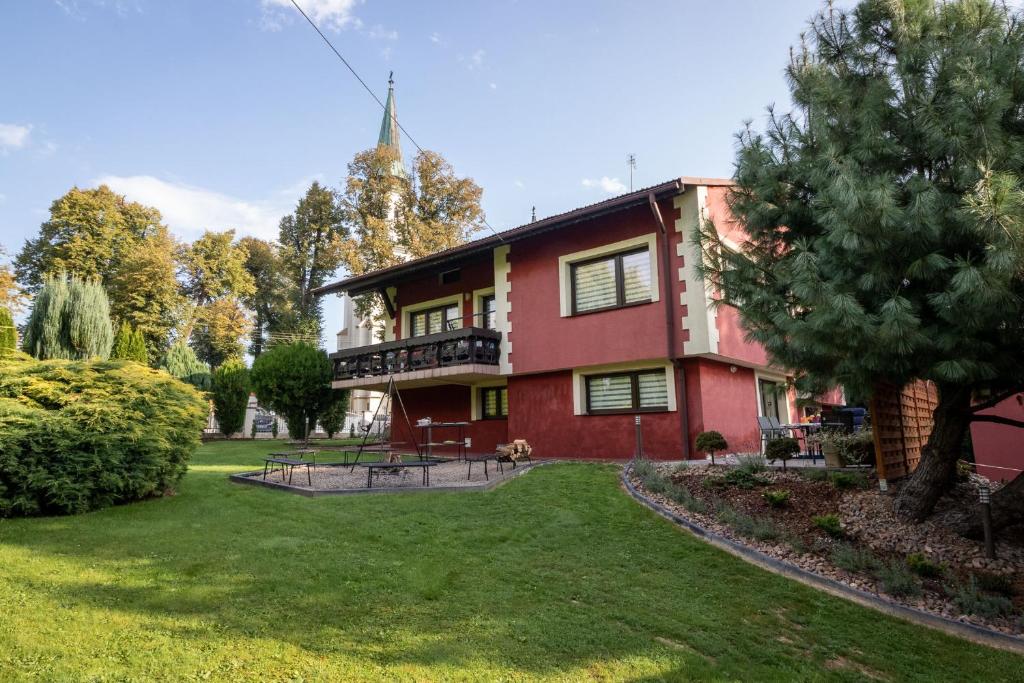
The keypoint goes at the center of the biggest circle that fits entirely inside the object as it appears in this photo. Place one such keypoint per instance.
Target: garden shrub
(848, 480)
(969, 599)
(829, 523)
(81, 435)
(754, 463)
(781, 449)
(813, 474)
(991, 582)
(129, 344)
(897, 580)
(853, 559)
(922, 566)
(681, 495)
(776, 499)
(750, 527)
(333, 417)
(710, 442)
(8, 332)
(643, 468)
(181, 362)
(70, 318)
(744, 479)
(295, 381)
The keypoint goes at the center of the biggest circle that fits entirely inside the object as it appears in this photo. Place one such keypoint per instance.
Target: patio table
(283, 461)
(424, 465)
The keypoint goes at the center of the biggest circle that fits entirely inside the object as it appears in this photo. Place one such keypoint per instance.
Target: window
(627, 392)
(450, 277)
(489, 312)
(493, 403)
(611, 281)
(433, 320)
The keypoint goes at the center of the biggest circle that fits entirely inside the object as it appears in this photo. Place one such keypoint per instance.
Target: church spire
(389, 136)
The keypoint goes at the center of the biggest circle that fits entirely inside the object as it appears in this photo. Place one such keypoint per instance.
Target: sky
(221, 114)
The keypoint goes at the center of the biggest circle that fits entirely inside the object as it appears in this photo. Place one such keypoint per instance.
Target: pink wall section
(998, 452)
(449, 403)
(542, 340)
(541, 411)
(723, 401)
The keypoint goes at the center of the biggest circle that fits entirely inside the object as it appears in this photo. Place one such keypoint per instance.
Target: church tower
(356, 330)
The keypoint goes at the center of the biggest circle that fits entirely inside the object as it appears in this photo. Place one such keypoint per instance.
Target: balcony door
(773, 400)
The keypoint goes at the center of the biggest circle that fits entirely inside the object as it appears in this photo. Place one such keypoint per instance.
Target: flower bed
(839, 526)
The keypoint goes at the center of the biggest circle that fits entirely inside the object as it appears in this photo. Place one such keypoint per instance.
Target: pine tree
(70, 319)
(129, 344)
(885, 217)
(137, 348)
(8, 332)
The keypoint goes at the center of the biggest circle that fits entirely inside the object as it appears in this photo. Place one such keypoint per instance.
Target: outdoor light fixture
(733, 369)
(984, 494)
(985, 498)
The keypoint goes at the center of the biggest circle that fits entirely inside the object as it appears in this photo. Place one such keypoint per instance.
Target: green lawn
(555, 575)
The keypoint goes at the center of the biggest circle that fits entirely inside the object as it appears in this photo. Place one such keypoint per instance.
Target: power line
(372, 94)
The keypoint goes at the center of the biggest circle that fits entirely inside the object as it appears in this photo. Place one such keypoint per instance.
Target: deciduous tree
(885, 217)
(219, 332)
(269, 301)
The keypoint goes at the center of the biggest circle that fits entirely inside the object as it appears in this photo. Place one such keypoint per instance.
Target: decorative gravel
(447, 475)
(868, 521)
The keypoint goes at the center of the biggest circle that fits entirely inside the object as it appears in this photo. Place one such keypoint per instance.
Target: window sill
(630, 411)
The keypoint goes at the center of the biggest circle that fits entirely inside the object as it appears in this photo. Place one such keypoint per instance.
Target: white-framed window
(639, 387)
(608, 277)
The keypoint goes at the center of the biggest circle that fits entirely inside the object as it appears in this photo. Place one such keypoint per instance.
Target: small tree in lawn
(333, 417)
(70, 319)
(294, 380)
(230, 386)
(781, 449)
(711, 442)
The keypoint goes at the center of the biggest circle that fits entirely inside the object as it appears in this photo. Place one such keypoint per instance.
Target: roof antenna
(533, 215)
(391, 79)
(631, 162)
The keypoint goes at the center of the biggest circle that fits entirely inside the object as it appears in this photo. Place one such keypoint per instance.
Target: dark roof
(368, 282)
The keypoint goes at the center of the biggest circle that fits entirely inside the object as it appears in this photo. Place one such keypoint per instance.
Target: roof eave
(378, 279)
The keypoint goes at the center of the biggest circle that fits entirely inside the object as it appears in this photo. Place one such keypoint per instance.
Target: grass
(555, 575)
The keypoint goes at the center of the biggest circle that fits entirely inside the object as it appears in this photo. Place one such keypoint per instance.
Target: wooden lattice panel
(902, 423)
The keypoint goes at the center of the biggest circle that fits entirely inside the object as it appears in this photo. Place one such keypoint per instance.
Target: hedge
(81, 435)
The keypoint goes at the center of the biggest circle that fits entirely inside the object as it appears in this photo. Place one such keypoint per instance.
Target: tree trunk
(1007, 510)
(936, 472)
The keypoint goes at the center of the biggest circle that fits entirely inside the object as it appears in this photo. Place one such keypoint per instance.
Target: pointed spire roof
(389, 126)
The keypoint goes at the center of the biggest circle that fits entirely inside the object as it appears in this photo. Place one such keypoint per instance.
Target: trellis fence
(902, 422)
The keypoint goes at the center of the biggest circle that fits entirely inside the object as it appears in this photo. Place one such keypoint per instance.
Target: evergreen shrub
(81, 435)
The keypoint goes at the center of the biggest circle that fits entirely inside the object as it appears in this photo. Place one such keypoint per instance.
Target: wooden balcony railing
(466, 346)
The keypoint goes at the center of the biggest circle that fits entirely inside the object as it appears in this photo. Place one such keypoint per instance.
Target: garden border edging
(977, 634)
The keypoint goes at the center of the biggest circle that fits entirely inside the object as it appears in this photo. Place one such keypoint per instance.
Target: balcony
(454, 356)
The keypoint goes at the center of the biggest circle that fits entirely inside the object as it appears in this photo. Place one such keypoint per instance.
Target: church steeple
(389, 136)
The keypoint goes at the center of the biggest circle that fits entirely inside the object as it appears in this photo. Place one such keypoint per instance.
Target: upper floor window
(611, 281)
(489, 312)
(627, 392)
(433, 320)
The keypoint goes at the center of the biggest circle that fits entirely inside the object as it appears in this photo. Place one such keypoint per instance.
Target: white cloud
(609, 185)
(189, 210)
(435, 37)
(494, 86)
(378, 32)
(519, 183)
(328, 14)
(476, 60)
(13, 136)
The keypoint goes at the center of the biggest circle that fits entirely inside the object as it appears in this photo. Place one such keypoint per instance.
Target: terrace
(464, 354)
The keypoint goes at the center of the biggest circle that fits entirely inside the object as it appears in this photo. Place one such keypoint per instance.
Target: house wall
(542, 339)
(541, 411)
(449, 403)
(997, 448)
(723, 401)
(475, 275)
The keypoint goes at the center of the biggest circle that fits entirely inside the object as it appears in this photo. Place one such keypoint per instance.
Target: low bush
(969, 599)
(682, 496)
(922, 566)
(829, 523)
(848, 480)
(743, 479)
(781, 449)
(994, 583)
(813, 474)
(710, 442)
(81, 435)
(751, 527)
(754, 464)
(853, 559)
(642, 467)
(777, 498)
(897, 580)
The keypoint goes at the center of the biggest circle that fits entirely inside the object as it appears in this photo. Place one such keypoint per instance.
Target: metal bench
(424, 465)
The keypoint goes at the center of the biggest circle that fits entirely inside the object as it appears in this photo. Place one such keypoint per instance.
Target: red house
(561, 331)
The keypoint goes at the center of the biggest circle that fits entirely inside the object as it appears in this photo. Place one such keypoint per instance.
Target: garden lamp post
(985, 498)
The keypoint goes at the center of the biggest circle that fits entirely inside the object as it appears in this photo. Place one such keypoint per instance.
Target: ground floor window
(494, 402)
(621, 392)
